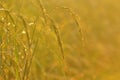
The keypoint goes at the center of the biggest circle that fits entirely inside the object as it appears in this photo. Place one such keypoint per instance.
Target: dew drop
(2, 18)
(8, 24)
(30, 24)
(25, 49)
(23, 32)
(19, 53)
(22, 57)
(13, 25)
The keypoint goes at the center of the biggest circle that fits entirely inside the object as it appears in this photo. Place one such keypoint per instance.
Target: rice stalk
(43, 10)
(8, 13)
(56, 31)
(26, 30)
(76, 18)
(57, 34)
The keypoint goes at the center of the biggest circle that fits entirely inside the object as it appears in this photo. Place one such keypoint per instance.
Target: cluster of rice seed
(76, 18)
(16, 51)
(54, 26)
(55, 29)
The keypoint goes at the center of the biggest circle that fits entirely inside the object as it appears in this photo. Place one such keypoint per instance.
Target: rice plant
(59, 40)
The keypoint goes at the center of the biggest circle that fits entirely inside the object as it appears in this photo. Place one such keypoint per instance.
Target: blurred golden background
(93, 54)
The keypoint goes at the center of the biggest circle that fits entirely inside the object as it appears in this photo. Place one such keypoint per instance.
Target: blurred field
(59, 40)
